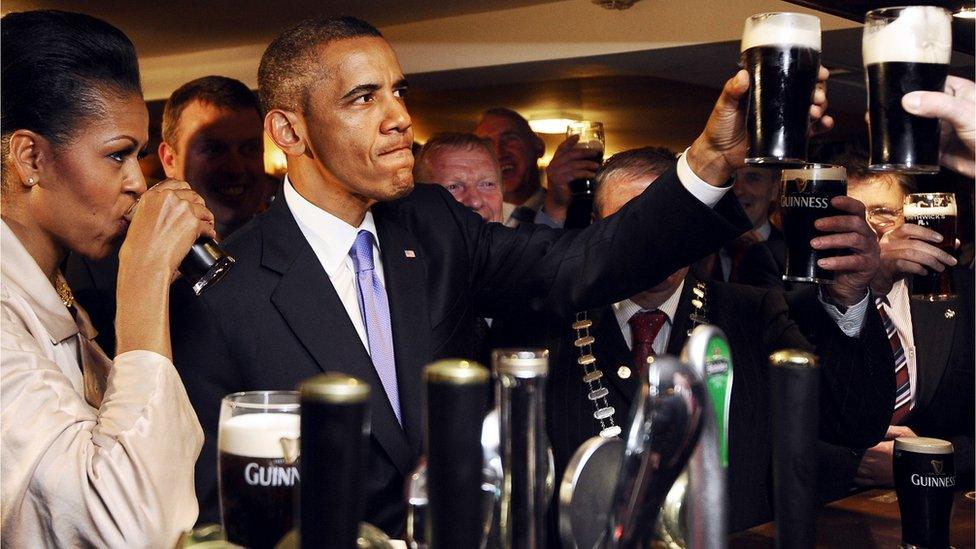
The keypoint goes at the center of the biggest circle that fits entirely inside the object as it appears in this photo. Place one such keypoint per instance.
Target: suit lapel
(406, 283)
(933, 328)
(613, 353)
(310, 305)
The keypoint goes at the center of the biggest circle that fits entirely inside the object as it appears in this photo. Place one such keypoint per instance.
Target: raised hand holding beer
(721, 147)
(855, 270)
(956, 107)
(570, 162)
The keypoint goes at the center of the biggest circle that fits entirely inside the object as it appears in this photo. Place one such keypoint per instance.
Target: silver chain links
(592, 376)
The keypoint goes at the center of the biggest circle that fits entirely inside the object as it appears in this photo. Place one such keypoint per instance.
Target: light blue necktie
(375, 309)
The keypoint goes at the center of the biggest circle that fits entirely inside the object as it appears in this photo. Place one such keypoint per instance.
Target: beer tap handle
(455, 403)
(795, 393)
(665, 424)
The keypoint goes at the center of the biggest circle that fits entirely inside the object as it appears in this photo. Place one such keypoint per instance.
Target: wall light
(552, 122)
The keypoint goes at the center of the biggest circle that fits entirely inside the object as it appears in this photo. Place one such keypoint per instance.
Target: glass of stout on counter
(905, 49)
(257, 443)
(781, 52)
(936, 211)
(580, 211)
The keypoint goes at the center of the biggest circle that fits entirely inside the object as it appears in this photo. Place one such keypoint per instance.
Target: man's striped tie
(903, 396)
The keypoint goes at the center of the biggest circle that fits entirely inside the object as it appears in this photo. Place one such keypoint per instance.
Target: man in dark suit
(756, 187)
(935, 339)
(350, 271)
(857, 379)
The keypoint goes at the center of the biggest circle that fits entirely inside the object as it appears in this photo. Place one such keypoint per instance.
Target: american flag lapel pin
(410, 253)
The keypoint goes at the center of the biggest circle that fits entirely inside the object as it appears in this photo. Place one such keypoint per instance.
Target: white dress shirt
(899, 311)
(331, 239)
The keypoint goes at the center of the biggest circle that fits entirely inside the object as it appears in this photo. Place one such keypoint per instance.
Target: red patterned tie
(903, 394)
(644, 327)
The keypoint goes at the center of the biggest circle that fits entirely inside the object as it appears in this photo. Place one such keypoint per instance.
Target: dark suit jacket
(944, 400)
(856, 385)
(93, 285)
(276, 320)
(764, 263)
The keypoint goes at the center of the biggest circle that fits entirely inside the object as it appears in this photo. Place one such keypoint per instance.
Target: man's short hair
(450, 141)
(856, 164)
(288, 66)
(217, 91)
(632, 163)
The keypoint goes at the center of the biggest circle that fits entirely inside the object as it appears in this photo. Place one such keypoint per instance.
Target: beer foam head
(258, 435)
(917, 210)
(923, 445)
(919, 34)
(781, 29)
(816, 171)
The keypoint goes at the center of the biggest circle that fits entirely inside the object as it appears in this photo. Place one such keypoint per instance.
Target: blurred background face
(516, 152)
(756, 189)
(471, 175)
(220, 153)
(883, 201)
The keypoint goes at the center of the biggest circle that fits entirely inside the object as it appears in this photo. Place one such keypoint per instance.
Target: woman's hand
(169, 219)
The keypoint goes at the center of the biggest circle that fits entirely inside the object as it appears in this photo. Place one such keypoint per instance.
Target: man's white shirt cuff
(707, 194)
(851, 321)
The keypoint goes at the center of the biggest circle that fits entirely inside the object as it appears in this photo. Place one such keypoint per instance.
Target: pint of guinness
(580, 212)
(925, 478)
(905, 49)
(936, 211)
(257, 463)
(781, 52)
(806, 197)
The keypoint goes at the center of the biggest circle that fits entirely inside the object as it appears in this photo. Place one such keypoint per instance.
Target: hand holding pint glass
(905, 49)
(935, 211)
(781, 52)
(206, 262)
(257, 465)
(925, 479)
(580, 211)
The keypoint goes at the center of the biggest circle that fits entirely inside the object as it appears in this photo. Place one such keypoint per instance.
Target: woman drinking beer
(96, 452)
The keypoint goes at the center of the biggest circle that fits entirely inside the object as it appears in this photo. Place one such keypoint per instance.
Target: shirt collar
(625, 309)
(332, 236)
(23, 276)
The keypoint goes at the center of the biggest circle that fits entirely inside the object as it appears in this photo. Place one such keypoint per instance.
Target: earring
(30, 180)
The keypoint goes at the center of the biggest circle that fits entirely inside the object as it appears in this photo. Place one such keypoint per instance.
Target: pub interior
(579, 430)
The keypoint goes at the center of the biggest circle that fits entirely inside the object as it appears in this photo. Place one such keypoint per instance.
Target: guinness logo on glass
(801, 184)
(937, 466)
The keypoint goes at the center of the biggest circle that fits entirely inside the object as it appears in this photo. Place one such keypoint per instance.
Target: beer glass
(936, 211)
(925, 478)
(806, 197)
(580, 211)
(905, 49)
(781, 52)
(257, 444)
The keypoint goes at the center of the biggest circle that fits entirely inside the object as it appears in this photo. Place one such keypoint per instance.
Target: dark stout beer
(258, 482)
(905, 50)
(807, 193)
(925, 479)
(781, 52)
(936, 211)
(580, 212)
